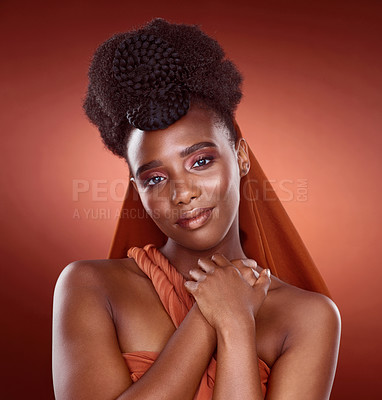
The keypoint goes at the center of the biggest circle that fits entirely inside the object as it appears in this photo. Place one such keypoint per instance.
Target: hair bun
(148, 78)
(150, 70)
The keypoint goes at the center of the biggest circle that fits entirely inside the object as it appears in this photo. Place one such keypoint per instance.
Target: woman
(195, 317)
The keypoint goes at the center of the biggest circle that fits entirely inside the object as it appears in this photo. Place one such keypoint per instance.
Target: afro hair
(147, 78)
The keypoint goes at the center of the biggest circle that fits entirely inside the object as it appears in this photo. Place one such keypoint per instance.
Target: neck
(184, 259)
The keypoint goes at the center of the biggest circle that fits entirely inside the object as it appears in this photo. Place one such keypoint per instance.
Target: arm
(87, 361)
(237, 371)
(307, 365)
(306, 368)
(308, 360)
(230, 305)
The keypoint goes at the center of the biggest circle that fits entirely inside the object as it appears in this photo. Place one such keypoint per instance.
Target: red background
(311, 110)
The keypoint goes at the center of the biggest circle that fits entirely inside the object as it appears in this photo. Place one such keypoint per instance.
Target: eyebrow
(197, 146)
(184, 153)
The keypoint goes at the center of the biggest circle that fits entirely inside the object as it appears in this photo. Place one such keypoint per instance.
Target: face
(188, 178)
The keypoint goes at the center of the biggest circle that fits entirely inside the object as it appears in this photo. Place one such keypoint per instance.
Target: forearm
(237, 373)
(177, 372)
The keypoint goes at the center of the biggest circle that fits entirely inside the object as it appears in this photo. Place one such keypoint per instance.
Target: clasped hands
(228, 291)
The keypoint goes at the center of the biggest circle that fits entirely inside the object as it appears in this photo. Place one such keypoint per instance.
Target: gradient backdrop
(311, 112)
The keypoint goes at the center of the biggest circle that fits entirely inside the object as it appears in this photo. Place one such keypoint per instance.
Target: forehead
(198, 125)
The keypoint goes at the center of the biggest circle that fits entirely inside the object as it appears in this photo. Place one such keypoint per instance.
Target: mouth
(195, 218)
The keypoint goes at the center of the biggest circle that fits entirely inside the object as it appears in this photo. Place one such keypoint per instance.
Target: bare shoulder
(306, 313)
(96, 273)
(304, 305)
(311, 307)
(84, 332)
(310, 324)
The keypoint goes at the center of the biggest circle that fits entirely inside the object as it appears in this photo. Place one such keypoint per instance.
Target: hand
(248, 268)
(222, 294)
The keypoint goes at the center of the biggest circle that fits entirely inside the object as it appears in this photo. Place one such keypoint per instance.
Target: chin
(201, 239)
(205, 237)
(199, 245)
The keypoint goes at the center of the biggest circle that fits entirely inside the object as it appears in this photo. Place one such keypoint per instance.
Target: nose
(184, 191)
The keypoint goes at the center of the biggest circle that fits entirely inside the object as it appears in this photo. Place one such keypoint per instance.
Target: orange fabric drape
(267, 233)
(169, 284)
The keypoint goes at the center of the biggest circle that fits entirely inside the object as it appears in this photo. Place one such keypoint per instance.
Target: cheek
(224, 187)
(155, 203)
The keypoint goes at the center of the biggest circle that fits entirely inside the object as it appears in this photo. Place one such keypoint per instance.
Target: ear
(242, 157)
(132, 180)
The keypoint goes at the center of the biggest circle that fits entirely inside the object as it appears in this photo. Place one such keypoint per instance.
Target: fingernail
(268, 272)
(255, 273)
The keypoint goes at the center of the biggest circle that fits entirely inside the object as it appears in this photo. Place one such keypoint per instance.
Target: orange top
(169, 284)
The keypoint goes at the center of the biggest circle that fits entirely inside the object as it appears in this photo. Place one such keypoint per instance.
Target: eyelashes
(203, 161)
(200, 163)
(152, 181)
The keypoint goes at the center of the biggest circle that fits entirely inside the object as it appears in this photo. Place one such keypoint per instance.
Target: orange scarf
(267, 233)
(169, 284)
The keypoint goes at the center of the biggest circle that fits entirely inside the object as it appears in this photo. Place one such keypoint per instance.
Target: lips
(195, 218)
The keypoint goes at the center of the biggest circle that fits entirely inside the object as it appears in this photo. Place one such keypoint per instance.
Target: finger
(220, 260)
(206, 265)
(257, 275)
(238, 263)
(191, 286)
(264, 280)
(249, 273)
(197, 274)
(252, 263)
(245, 262)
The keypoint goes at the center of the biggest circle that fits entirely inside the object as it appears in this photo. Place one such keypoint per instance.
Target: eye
(154, 180)
(202, 161)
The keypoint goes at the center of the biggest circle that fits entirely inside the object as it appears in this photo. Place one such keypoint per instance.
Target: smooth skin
(103, 308)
